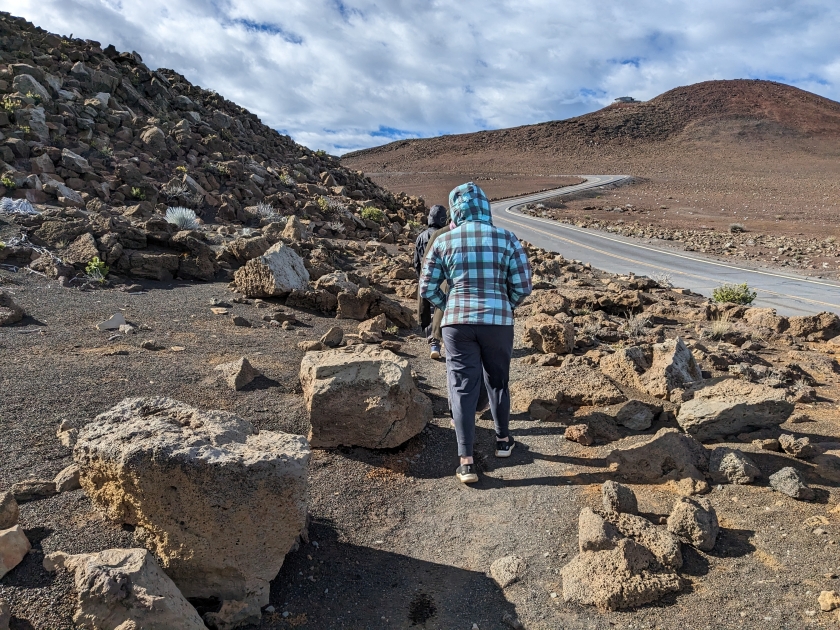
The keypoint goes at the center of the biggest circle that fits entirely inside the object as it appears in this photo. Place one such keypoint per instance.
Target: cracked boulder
(278, 272)
(117, 589)
(549, 335)
(733, 406)
(673, 367)
(218, 502)
(361, 395)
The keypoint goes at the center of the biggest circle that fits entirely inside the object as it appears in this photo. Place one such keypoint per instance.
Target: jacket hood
(468, 202)
(437, 217)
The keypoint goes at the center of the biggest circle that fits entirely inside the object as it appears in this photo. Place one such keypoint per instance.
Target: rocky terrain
(237, 425)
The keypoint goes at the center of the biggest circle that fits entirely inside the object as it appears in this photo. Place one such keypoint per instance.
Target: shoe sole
(471, 478)
(434, 354)
(507, 452)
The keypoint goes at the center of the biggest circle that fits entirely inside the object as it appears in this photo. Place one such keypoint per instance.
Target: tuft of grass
(735, 293)
(181, 169)
(137, 193)
(184, 218)
(635, 325)
(719, 328)
(737, 228)
(372, 214)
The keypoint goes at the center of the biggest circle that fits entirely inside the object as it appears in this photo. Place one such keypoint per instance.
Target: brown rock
(580, 433)
(547, 335)
(238, 374)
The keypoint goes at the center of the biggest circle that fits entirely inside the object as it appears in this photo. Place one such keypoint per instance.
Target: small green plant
(97, 270)
(392, 330)
(35, 97)
(373, 214)
(321, 153)
(25, 128)
(737, 228)
(181, 169)
(735, 293)
(414, 225)
(2, 245)
(287, 180)
(105, 150)
(324, 204)
(8, 182)
(8, 104)
(137, 193)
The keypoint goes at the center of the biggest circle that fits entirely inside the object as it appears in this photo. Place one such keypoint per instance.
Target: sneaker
(503, 449)
(434, 350)
(466, 473)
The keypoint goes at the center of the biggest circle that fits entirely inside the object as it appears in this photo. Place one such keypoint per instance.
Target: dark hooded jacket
(437, 219)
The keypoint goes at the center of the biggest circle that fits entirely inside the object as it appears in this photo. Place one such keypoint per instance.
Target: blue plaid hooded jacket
(486, 268)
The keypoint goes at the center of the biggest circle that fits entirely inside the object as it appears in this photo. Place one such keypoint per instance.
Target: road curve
(789, 294)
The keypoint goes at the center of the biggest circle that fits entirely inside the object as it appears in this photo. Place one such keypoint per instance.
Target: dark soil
(394, 541)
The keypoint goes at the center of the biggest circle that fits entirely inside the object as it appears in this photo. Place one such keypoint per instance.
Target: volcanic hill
(760, 152)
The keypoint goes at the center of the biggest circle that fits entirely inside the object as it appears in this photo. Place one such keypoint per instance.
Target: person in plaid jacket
(488, 275)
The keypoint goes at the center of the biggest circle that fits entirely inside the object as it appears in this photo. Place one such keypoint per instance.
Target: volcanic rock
(547, 335)
(695, 522)
(361, 395)
(788, 481)
(731, 407)
(218, 502)
(618, 498)
(278, 272)
(10, 313)
(238, 374)
(728, 465)
(667, 455)
(13, 547)
(118, 589)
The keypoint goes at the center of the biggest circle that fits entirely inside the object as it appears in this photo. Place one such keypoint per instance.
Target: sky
(342, 75)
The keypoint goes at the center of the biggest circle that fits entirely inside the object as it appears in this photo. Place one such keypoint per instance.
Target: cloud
(346, 74)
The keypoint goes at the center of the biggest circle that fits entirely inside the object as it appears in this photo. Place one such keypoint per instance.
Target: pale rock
(14, 545)
(10, 312)
(829, 600)
(361, 395)
(376, 324)
(634, 414)
(67, 433)
(121, 589)
(238, 374)
(595, 533)
(33, 489)
(817, 327)
(81, 251)
(294, 230)
(661, 543)
(626, 366)
(765, 318)
(547, 335)
(618, 498)
(112, 323)
(669, 454)
(624, 577)
(728, 465)
(505, 571)
(67, 479)
(801, 448)
(733, 406)
(576, 383)
(217, 501)
(278, 272)
(74, 161)
(788, 481)
(579, 433)
(311, 346)
(154, 138)
(9, 512)
(694, 521)
(827, 465)
(333, 337)
(673, 367)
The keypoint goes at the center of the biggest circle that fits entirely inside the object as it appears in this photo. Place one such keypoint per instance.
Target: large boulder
(667, 455)
(10, 313)
(733, 406)
(623, 577)
(361, 395)
(14, 545)
(548, 335)
(577, 383)
(217, 501)
(673, 367)
(116, 588)
(765, 318)
(278, 272)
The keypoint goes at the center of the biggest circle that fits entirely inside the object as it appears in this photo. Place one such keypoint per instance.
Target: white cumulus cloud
(346, 74)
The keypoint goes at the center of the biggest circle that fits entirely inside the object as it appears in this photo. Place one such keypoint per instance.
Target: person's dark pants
(427, 311)
(474, 353)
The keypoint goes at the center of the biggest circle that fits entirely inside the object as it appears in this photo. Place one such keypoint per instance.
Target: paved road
(789, 294)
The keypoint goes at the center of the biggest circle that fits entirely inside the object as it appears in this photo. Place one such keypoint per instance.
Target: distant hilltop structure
(626, 99)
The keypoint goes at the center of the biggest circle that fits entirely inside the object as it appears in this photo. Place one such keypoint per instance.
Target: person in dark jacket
(489, 275)
(425, 311)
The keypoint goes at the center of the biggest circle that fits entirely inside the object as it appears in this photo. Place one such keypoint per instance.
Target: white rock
(112, 323)
(505, 571)
(13, 547)
(238, 374)
(278, 272)
(118, 589)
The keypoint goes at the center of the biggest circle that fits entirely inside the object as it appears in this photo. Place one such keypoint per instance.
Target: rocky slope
(101, 146)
